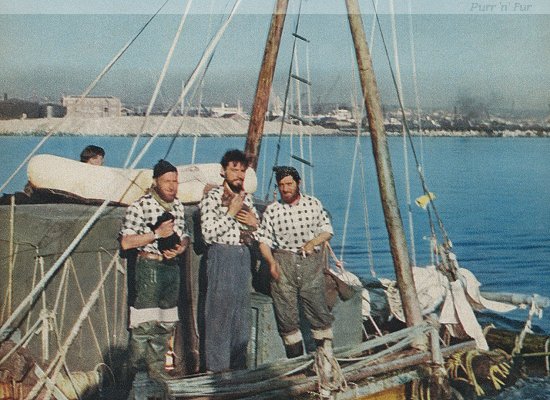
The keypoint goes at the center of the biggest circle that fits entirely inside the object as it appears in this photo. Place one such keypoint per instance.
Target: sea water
(492, 196)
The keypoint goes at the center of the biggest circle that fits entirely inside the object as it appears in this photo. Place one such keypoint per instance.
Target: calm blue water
(493, 196)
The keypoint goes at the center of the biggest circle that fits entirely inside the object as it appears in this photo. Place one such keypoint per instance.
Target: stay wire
(197, 88)
(31, 297)
(287, 89)
(197, 93)
(409, 136)
(90, 87)
(415, 85)
(160, 80)
(405, 152)
(196, 73)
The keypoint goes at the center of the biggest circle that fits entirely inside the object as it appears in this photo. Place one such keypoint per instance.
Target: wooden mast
(392, 216)
(261, 100)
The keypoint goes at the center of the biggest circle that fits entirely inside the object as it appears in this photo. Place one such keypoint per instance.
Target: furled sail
(98, 183)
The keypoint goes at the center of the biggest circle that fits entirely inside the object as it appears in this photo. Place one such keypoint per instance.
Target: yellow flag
(424, 200)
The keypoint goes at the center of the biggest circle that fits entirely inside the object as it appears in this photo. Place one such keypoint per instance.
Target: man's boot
(294, 350)
(159, 349)
(139, 343)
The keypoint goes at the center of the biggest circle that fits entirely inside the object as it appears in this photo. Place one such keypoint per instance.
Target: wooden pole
(392, 216)
(261, 100)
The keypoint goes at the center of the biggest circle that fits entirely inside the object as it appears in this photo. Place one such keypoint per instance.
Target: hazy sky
(494, 51)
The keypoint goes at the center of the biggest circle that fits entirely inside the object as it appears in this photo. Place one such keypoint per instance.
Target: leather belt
(294, 254)
(150, 256)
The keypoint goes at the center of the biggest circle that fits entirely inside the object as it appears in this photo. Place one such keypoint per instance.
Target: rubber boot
(139, 342)
(159, 345)
(294, 350)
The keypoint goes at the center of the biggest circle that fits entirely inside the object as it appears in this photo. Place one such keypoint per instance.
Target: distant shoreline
(193, 126)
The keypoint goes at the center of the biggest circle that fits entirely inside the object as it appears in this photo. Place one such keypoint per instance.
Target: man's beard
(293, 197)
(235, 188)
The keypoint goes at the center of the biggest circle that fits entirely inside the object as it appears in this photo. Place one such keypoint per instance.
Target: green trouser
(157, 286)
(301, 277)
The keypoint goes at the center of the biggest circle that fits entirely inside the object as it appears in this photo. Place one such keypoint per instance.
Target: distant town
(467, 117)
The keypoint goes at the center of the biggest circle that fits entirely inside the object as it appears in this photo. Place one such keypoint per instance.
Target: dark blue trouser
(227, 308)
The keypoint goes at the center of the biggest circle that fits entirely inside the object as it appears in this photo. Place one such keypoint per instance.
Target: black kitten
(169, 242)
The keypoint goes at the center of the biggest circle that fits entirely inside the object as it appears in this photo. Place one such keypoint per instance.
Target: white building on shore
(224, 111)
(91, 107)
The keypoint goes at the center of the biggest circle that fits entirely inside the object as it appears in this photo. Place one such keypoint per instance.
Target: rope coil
(327, 369)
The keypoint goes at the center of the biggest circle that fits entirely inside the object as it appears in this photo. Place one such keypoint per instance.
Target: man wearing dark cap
(154, 226)
(292, 236)
(228, 222)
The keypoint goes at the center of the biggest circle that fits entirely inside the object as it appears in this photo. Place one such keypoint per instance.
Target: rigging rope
(415, 85)
(366, 222)
(405, 152)
(159, 82)
(330, 375)
(201, 64)
(288, 85)
(358, 151)
(409, 136)
(198, 88)
(59, 358)
(350, 193)
(4, 329)
(84, 94)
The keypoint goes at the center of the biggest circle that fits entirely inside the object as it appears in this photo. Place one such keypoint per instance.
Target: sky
(493, 52)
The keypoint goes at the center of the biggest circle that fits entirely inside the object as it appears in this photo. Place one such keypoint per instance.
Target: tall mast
(392, 216)
(265, 79)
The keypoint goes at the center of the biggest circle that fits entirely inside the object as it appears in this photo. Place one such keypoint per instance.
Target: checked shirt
(145, 211)
(218, 226)
(289, 227)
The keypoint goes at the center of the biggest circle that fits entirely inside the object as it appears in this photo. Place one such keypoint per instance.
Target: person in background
(92, 154)
(228, 222)
(292, 236)
(154, 226)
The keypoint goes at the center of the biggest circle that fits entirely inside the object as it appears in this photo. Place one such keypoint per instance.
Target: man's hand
(176, 251)
(307, 248)
(275, 270)
(165, 229)
(235, 205)
(248, 218)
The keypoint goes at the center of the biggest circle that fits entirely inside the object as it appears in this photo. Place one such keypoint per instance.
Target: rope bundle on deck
(481, 372)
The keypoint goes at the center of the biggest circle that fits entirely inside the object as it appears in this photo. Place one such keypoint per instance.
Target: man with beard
(151, 221)
(228, 220)
(292, 236)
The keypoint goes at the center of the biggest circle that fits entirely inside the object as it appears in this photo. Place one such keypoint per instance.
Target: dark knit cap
(283, 171)
(163, 167)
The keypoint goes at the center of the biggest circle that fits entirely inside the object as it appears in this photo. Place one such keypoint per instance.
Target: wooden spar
(392, 216)
(261, 100)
